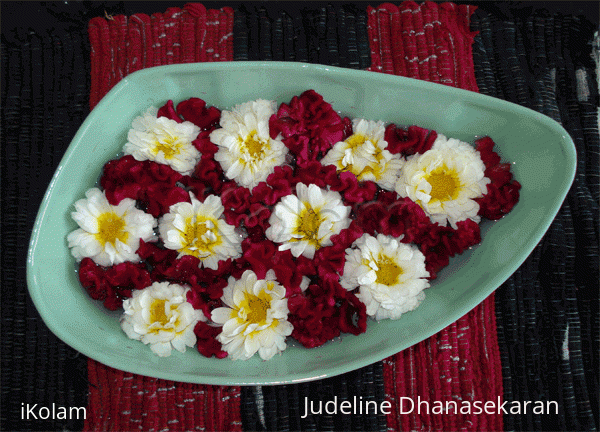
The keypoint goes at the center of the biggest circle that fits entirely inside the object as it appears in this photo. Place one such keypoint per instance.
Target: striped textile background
(546, 328)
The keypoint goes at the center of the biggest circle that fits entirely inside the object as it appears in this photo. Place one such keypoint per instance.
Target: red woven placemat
(119, 46)
(433, 42)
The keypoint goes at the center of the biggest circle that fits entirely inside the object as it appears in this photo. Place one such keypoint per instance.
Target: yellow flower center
(110, 229)
(170, 147)
(376, 169)
(158, 316)
(256, 307)
(388, 272)
(157, 312)
(308, 224)
(200, 238)
(445, 184)
(355, 141)
(253, 145)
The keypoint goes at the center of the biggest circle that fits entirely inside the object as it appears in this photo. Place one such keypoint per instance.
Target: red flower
(440, 243)
(259, 255)
(331, 259)
(206, 340)
(194, 110)
(168, 110)
(409, 141)
(159, 197)
(263, 255)
(112, 284)
(235, 198)
(325, 310)
(407, 218)
(280, 182)
(370, 215)
(152, 184)
(258, 215)
(503, 192)
(309, 126)
(195, 186)
(352, 314)
(353, 191)
(394, 216)
(204, 145)
(128, 276)
(209, 172)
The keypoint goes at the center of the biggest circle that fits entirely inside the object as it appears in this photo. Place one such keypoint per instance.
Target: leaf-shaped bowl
(542, 153)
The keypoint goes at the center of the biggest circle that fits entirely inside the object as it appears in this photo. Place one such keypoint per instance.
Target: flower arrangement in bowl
(237, 230)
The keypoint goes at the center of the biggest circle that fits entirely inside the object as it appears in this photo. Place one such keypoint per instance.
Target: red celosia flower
(168, 110)
(152, 184)
(258, 215)
(112, 284)
(407, 218)
(331, 259)
(196, 187)
(280, 182)
(345, 183)
(153, 254)
(290, 271)
(128, 276)
(392, 215)
(234, 197)
(370, 215)
(204, 145)
(159, 197)
(263, 255)
(201, 300)
(209, 172)
(314, 172)
(185, 271)
(352, 313)
(439, 243)
(503, 192)
(194, 110)
(314, 320)
(323, 311)
(354, 191)
(259, 255)
(409, 141)
(206, 340)
(309, 126)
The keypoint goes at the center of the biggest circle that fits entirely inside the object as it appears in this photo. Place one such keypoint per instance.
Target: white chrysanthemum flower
(254, 318)
(306, 221)
(365, 154)
(198, 229)
(445, 180)
(109, 234)
(163, 140)
(247, 153)
(160, 315)
(391, 275)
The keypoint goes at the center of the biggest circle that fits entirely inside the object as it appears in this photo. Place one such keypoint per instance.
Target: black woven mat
(547, 311)
(45, 96)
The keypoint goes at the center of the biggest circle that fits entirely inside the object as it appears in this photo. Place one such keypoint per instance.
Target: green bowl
(542, 153)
